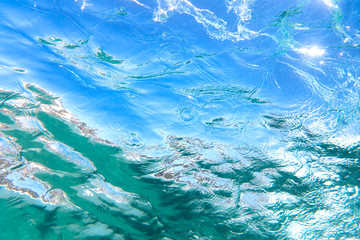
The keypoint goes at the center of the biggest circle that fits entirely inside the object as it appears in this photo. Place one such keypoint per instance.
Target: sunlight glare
(313, 51)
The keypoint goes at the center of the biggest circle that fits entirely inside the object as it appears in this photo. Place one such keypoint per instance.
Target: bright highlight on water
(177, 119)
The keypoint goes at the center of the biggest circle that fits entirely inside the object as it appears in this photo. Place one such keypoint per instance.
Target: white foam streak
(215, 27)
(241, 8)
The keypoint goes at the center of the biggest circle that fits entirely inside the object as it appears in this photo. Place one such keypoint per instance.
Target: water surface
(176, 119)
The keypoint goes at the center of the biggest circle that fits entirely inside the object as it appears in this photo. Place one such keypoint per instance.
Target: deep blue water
(176, 119)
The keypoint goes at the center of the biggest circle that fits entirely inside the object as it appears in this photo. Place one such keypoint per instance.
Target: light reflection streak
(330, 3)
(313, 51)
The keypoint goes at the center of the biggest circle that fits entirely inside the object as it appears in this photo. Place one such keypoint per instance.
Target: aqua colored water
(179, 119)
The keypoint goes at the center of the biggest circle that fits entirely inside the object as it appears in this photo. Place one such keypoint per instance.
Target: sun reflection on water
(313, 51)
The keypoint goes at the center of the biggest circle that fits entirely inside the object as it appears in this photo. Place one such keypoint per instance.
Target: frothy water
(177, 119)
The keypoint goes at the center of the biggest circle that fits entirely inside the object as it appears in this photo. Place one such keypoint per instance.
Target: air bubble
(187, 114)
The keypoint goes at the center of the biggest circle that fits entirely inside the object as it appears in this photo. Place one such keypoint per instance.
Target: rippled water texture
(179, 119)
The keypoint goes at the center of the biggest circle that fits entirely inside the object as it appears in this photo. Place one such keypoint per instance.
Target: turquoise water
(176, 119)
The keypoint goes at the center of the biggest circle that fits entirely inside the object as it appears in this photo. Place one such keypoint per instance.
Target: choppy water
(179, 119)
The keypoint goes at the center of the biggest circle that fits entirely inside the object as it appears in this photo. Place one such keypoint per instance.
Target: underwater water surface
(179, 119)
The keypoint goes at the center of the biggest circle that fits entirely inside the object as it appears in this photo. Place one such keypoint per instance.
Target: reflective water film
(179, 119)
